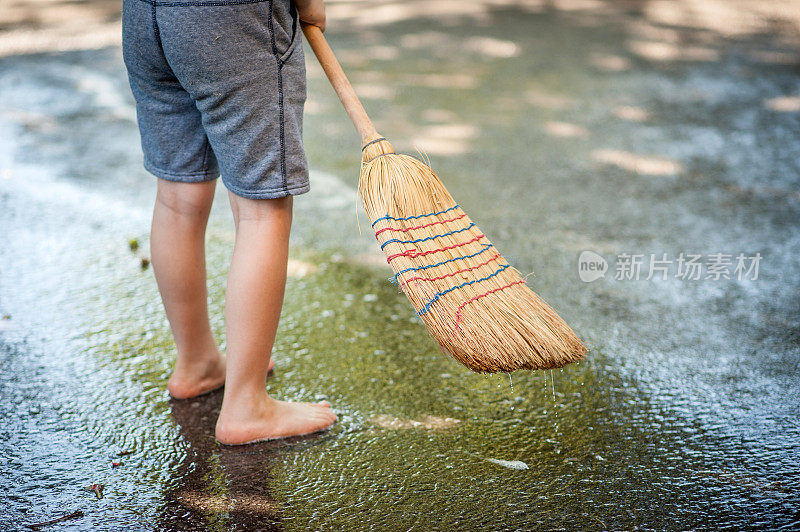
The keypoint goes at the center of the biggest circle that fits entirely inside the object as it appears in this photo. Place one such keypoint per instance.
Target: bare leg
(253, 303)
(177, 247)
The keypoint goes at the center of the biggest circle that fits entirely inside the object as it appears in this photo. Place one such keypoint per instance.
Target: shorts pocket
(285, 28)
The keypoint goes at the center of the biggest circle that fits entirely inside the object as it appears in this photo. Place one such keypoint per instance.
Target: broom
(474, 303)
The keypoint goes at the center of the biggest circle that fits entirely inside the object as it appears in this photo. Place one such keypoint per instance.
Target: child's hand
(311, 12)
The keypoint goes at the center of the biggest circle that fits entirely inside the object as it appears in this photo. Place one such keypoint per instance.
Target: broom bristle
(474, 303)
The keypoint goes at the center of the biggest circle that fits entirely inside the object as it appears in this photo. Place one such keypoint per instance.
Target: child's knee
(260, 209)
(186, 199)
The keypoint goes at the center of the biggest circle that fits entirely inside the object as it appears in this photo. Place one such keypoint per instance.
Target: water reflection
(214, 485)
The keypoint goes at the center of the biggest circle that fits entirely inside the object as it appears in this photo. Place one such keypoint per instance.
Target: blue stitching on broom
(394, 279)
(396, 241)
(387, 217)
(436, 297)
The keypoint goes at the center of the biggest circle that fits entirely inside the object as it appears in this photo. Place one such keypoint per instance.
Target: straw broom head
(473, 302)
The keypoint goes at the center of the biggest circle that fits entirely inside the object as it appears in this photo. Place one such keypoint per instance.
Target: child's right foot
(271, 419)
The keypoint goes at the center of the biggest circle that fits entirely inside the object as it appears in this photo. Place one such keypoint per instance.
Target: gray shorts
(219, 88)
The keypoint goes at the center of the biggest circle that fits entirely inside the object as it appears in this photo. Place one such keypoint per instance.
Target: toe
(325, 415)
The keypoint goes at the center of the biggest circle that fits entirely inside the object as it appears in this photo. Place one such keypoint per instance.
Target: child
(220, 88)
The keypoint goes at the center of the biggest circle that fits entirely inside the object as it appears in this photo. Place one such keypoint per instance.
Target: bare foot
(200, 378)
(268, 419)
(197, 378)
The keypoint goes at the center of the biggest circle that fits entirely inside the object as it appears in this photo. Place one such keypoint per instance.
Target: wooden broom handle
(340, 83)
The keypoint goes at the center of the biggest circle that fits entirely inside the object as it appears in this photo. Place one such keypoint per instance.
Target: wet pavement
(615, 127)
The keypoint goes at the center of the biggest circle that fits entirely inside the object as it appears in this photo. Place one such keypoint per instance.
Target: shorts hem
(190, 177)
(275, 193)
(200, 3)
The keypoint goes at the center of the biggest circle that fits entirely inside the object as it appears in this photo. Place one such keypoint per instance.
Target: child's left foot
(197, 378)
(200, 378)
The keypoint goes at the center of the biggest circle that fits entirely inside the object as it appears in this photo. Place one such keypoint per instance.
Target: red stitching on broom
(415, 253)
(484, 263)
(492, 291)
(417, 227)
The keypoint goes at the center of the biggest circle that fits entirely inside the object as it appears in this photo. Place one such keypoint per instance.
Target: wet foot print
(271, 419)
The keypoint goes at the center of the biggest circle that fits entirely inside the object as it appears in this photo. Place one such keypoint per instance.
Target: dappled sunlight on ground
(371, 258)
(442, 81)
(491, 47)
(382, 53)
(313, 106)
(727, 17)
(30, 26)
(444, 45)
(638, 164)
(298, 268)
(377, 13)
(784, 104)
(202, 501)
(373, 91)
(428, 40)
(632, 113)
(609, 62)
(445, 139)
(565, 129)
(425, 422)
(666, 51)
